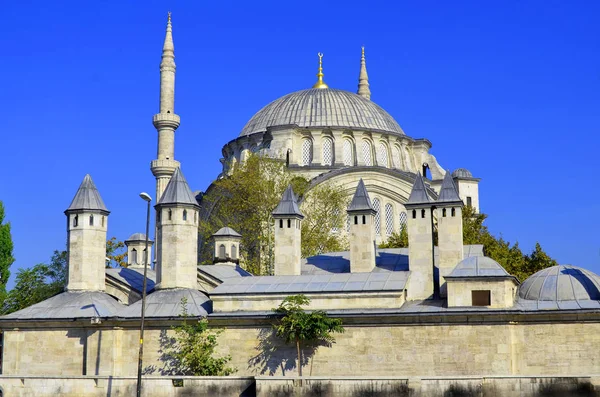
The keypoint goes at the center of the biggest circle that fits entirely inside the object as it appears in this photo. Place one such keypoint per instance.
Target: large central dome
(320, 107)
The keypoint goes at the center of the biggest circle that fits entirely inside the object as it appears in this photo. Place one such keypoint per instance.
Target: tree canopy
(6, 252)
(299, 327)
(245, 199)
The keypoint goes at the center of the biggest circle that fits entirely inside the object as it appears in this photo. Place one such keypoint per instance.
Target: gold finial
(363, 51)
(320, 83)
(169, 14)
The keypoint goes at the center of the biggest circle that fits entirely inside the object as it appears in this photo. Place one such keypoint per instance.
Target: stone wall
(480, 345)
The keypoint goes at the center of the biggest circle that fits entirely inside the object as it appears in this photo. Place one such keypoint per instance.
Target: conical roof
(87, 197)
(178, 191)
(227, 232)
(449, 192)
(418, 194)
(361, 200)
(288, 204)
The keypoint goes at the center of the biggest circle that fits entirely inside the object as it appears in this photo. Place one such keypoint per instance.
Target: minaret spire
(363, 78)
(166, 121)
(320, 83)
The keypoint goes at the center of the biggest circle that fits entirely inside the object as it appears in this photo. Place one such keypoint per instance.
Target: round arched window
(306, 152)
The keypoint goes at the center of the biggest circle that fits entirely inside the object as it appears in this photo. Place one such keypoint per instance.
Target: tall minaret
(363, 78)
(166, 121)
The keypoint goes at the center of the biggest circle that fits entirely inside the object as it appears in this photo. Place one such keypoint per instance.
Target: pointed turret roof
(87, 197)
(418, 194)
(449, 192)
(227, 232)
(361, 200)
(168, 47)
(363, 78)
(178, 191)
(288, 204)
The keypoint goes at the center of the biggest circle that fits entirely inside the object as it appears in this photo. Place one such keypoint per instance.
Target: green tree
(116, 253)
(194, 348)
(509, 256)
(396, 240)
(245, 199)
(38, 283)
(6, 253)
(299, 327)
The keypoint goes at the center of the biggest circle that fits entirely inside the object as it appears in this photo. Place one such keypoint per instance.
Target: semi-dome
(462, 173)
(561, 283)
(137, 237)
(322, 107)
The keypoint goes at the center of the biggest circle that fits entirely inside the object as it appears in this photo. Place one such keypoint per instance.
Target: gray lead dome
(561, 283)
(322, 108)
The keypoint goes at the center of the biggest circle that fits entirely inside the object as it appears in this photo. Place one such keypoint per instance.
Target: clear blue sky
(507, 89)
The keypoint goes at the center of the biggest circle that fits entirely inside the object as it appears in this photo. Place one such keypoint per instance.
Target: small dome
(462, 173)
(137, 237)
(478, 266)
(320, 107)
(561, 283)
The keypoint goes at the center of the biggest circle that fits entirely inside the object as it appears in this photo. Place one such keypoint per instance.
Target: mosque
(428, 317)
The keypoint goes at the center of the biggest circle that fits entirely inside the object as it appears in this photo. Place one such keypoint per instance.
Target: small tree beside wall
(301, 328)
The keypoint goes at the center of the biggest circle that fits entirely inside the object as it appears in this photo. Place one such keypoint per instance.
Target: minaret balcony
(161, 167)
(166, 120)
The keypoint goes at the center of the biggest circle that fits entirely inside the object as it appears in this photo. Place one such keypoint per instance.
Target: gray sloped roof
(134, 277)
(87, 197)
(448, 191)
(322, 108)
(288, 204)
(178, 191)
(342, 283)
(166, 303)
(223, 272)
(561, 283)
(361, 200)
(462, 173)
(227, 232)
(70, 305)
(478, 266)
(386, 260)
(418, 194)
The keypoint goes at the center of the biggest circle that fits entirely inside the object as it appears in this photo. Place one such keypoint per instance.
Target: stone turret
(450, 230)
(166, 121)
(177, 238)
(227, 246)
(420, 242)
(87, 223)
(363, 78)
(288, 235)
(362, 231)
(136, 250)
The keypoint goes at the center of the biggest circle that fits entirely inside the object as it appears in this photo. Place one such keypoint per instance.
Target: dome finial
(363, 77)
(320, 83)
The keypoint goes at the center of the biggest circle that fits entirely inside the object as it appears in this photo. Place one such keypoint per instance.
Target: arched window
(185, 215)
(76, 221)
(397, 158)
(195, 216)
(289, 223)
(91, 220)
(306, 152)
(222, 251)
(382, 155)
(102, 221)
(170, 214)
(407, 159)
(134, 256)
(367, 153)
(422, 213)
(327, 151)
(281, 223)
(389, 219)
(453, 211)
(443, 212)
(377, 207)
(414, 214)
(145, 256)
(348, 152)
(402, 219)
(233, 251)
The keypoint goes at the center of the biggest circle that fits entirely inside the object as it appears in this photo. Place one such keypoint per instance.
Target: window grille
(336, 215)
(327, 151)
(396, 158)
(366, 152)
(348, 223)
(222, 251)
(382, 155)
(348, 152)
(402, 220)
(377, 207)
(306, 152)
(389, 219)
(134, 256)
